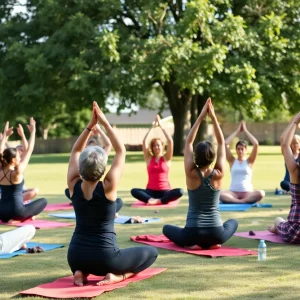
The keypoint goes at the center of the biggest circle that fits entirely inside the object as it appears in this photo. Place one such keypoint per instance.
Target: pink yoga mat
(59, 206)
(64, 287)
(264, 235)
(39, 224)
(164, 244)
(143, 204)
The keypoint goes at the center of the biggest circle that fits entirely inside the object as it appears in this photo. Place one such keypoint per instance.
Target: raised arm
(189, 164)
(287, 151)
(221, 152)
(145, 145)
(254, 142)
(106, 141)
(24, 142)
(73, 169)
(170, 146)
(229, 156)
(114, 174)
(282, 136)
(19, 170)
(7, 132)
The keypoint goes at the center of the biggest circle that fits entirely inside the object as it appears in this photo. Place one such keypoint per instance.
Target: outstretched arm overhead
(26, 154)
(145, 145)
(287, 151)
(221, 152)
(254, 142)
(282, 136)
(170, 146)
(7, 132)
(229, 156)
(20, 131)
(189, 164)
(114, 174)
(106, 141)
(73, 169)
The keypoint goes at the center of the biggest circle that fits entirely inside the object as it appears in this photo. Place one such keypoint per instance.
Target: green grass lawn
(188, 276)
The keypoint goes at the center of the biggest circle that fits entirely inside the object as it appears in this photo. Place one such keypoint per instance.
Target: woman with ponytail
(12, 180)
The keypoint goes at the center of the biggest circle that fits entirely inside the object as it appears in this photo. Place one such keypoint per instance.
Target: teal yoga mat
(46, 247)
(119, 220)
(242, 207)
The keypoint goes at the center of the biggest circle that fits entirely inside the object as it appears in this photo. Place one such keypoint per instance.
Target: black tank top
(94, 220)
(11, 196)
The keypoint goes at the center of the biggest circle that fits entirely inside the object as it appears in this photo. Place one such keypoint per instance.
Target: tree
(243, 54)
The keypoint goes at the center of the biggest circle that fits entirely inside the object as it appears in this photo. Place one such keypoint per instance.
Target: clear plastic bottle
(262, 251)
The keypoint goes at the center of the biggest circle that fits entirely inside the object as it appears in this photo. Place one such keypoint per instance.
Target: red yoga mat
(59, 206)
(161, 242)
(264, 235)
(144, 205)
(64, 288)
(38, 224)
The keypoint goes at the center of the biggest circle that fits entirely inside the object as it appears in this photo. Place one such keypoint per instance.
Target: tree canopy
(60, 55)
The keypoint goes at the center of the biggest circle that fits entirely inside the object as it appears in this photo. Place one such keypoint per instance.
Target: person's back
(204, 205)
(94, 220)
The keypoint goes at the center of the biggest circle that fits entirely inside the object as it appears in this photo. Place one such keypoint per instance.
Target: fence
(266, 133)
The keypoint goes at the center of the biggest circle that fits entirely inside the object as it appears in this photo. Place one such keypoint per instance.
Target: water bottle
(262, 251)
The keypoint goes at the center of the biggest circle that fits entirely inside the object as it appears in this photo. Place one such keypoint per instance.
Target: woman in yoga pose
(204, 227)
(295, 147)
(158, 190)
(12, 180)
(93, 248)
(290, 230)
(241, 189)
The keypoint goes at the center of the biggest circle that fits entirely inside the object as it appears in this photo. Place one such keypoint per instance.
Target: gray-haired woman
(93, 248)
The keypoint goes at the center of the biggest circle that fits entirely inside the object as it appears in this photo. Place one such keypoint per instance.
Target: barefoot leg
(79, 278)
(111, 278)
(194, 247)
(217, 246)
(153, 201)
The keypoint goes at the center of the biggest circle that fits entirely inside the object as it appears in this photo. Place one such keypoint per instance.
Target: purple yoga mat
(263, 235)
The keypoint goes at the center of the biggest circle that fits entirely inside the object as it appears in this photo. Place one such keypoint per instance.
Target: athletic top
(241, 176)
(94, 221)
(158, 175)
(204, 205)
(11, 197)
(290, 230)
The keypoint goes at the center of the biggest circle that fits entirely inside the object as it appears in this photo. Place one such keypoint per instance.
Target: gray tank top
(204, 205)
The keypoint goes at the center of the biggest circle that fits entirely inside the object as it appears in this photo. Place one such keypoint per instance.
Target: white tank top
(241, 177)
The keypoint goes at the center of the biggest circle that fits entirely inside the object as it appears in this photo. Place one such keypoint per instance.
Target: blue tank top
(94, 220)
(204, 205)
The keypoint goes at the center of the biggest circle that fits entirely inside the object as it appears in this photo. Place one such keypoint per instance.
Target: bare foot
(136, 219)
(273, 229)
(194, 247)
(217, 246)
(24, 247)
(116, 215)
(153, 201)
(79, 278)
(111, 278)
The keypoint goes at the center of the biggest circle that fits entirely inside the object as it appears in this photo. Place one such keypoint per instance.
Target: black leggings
(201, 236)
(165, 196)
(119, 201)
(285, 185)
(27, 211)
(129, 260)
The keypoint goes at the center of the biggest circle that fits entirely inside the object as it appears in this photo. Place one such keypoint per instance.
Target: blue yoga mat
(46, 247)
(242, 207)
(119, 220)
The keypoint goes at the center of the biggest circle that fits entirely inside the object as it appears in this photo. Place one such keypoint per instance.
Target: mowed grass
(187, 276)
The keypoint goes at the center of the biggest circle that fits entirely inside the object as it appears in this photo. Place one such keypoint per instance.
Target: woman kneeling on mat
(12, 180)
(93, 248)
(158, 190)
(290, 230)
(204, 227)
(241, 189)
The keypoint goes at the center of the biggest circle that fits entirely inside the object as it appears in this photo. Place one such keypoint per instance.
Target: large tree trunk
(178, 102)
